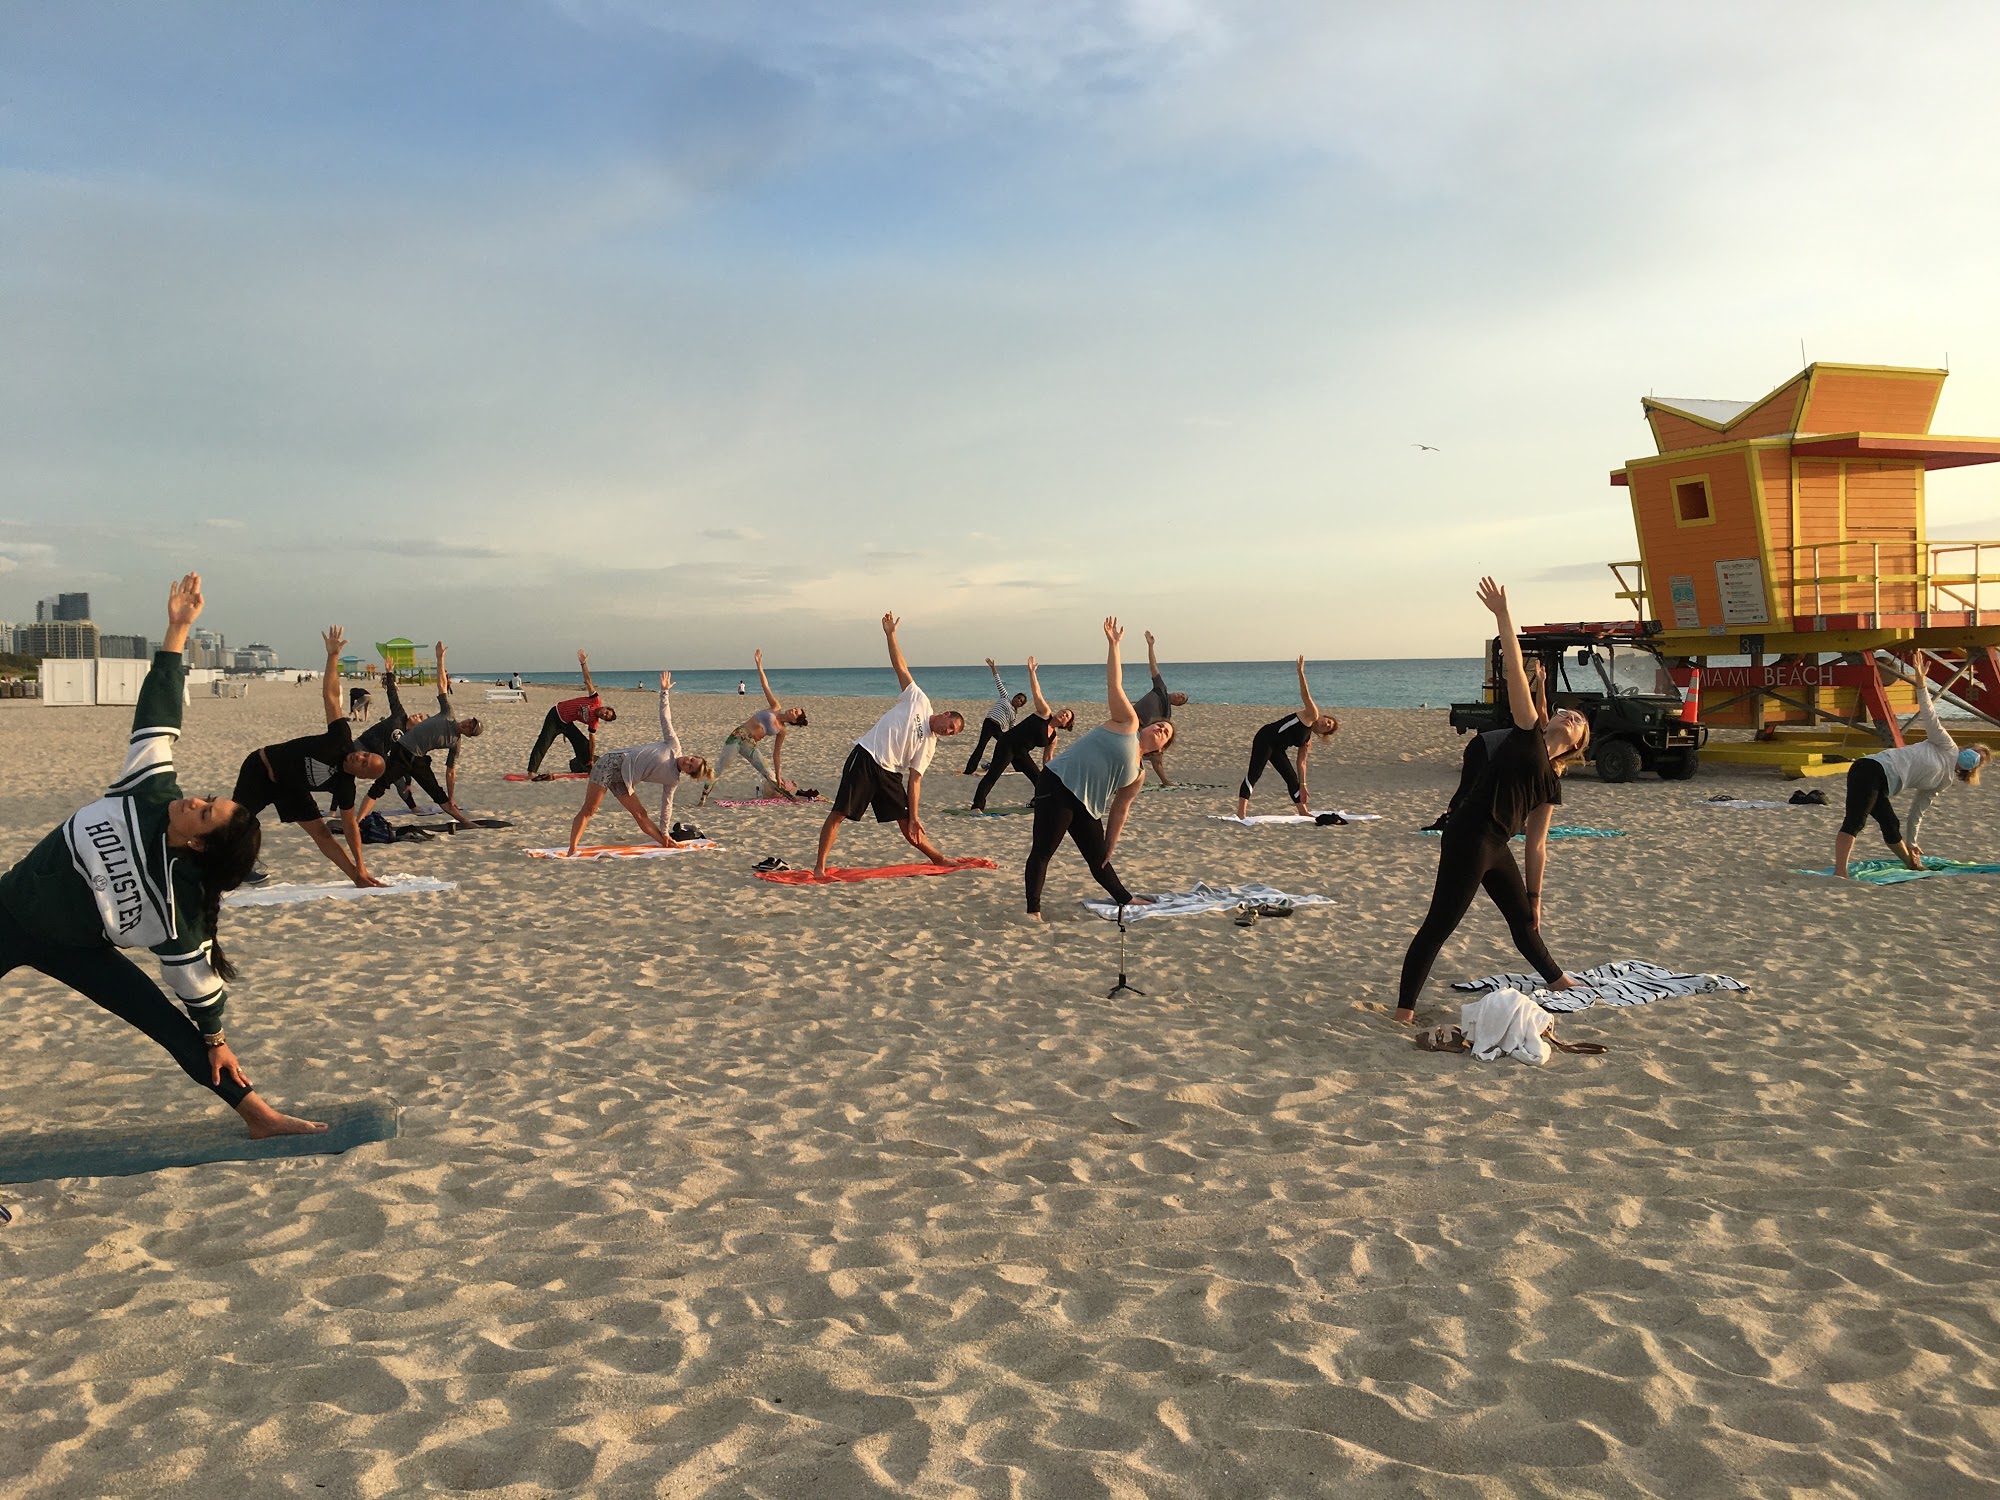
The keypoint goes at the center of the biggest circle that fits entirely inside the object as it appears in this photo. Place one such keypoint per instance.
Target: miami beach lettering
(109, 842)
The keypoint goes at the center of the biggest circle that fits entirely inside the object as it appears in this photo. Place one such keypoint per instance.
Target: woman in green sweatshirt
(145, 867)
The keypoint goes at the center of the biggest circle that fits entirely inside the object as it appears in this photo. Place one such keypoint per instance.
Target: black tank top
(1517, 779)
(1029, 731)
(1288, 733)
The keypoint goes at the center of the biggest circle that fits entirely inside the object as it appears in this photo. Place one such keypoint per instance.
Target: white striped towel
(1628, 981)
(272, 894)
(1204, 897)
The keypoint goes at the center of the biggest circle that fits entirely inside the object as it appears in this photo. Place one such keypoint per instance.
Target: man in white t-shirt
(885, 769)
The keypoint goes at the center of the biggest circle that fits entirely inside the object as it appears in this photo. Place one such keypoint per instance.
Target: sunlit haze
(673, 329)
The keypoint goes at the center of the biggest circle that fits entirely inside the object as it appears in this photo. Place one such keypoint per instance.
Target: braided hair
(226, 858)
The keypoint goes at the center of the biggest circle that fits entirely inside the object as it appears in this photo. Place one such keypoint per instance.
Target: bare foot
(265, 1122)
(1564, 983)
(1406, 1017)
(1242, 809)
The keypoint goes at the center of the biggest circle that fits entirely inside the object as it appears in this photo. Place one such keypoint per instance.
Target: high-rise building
(254, 657)
(6, 637)
(207, 648)
(62, 607)
(129, 647)
(66, 639)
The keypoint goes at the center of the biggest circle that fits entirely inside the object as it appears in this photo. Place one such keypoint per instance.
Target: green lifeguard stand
(400, 656)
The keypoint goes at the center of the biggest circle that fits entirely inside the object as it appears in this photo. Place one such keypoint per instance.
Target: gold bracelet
(216, 1040)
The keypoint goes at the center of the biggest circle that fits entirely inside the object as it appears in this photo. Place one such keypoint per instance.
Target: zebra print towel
(1628, 981)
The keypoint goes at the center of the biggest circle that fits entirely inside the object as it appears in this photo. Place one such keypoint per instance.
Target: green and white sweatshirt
(107, 875)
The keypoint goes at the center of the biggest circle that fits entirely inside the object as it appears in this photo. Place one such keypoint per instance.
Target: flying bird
(1426, 447)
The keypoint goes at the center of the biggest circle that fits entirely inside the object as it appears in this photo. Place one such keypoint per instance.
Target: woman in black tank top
(1516, 791)
(1293, 732)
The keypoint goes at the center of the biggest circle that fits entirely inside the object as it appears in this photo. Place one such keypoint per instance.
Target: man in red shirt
(565, 718)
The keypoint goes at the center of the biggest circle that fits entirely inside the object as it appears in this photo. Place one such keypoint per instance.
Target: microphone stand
(1122, 987)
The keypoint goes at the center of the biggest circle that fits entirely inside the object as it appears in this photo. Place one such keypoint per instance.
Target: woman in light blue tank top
(1086, 792)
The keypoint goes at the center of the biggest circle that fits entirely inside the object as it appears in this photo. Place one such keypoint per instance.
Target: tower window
(1691, 507)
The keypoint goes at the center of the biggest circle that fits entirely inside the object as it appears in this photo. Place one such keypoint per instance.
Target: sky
(674, 329)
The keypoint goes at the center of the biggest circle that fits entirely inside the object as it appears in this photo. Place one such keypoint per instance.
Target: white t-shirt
(901, 739)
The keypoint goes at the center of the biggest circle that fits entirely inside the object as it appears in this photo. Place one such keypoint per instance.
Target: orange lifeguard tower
(1792, 527)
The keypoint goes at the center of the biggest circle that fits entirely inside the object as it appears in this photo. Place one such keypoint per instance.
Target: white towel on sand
(1258, 819)
(1629, 981)
(1506, 1023)
(1204, 897)
(274, 894)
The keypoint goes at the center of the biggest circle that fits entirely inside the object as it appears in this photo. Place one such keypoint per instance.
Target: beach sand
(707, 1187)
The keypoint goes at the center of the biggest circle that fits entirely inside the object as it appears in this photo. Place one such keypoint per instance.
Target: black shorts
(256, 790)
(864, 785)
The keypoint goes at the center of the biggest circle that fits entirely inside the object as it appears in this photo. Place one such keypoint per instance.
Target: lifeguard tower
(400, 656)
(1790, 530)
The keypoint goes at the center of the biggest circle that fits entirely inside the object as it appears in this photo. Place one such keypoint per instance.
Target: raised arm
(1927, 714)
(995, 670)
(583, 661)
(667, 715)
(329, 681)
(901, 667)
(1520, 697)
(1041, 704)
(444, 679)
(1121, 805)
(1308, 710)
(1121, 715)
(184, 603)
(765, 683)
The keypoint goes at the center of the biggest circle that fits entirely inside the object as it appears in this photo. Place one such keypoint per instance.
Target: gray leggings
(747, 749)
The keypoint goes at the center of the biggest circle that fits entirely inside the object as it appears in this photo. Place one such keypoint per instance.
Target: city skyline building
(66, 640)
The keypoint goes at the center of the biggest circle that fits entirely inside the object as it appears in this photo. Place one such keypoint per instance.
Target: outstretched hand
(760, 656)
(889, 624)
(990, 666)
(1492, 596)
(582, 657)
(439, 648)
(666, 681)
(1031, 664)
(1113, 631)
(335, 638)
(1149, 638)
(184, 600)
(1301, 663)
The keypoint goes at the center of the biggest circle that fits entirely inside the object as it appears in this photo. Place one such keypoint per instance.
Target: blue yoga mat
(39, 1155)
(1895, 872)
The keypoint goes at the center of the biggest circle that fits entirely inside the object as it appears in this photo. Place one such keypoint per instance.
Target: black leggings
(1265, 750)
(107, 976)
(988, 732)
(1057, 812)
(552, 726)
(1868, 796)
(1471, 858)
(1005, 754)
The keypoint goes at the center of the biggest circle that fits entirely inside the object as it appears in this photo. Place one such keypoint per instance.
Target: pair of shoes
(1813, 798)
(685, 831)
(1329, 819)
(1246, 915)
(1443, 1039)
(769, 863)
(1275, 909)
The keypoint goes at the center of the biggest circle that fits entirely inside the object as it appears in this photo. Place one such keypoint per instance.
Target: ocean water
(1424, 682)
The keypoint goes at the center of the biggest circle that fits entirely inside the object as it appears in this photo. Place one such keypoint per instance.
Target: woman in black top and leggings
(1293, 732)
(1517, 791)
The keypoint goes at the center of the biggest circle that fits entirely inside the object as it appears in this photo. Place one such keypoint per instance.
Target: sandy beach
(709, 1187)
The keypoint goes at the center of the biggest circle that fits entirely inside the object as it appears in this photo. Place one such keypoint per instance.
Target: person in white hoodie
(1925, 768)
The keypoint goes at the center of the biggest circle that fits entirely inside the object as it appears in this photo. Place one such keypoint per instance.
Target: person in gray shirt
(1157, 707)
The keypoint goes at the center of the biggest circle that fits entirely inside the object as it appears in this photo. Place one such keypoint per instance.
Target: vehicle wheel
(1617, 760)
(1679, 765)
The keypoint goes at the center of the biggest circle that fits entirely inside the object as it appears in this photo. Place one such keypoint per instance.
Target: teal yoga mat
(38, 1155)
(1895, 872)
(1560, 831)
